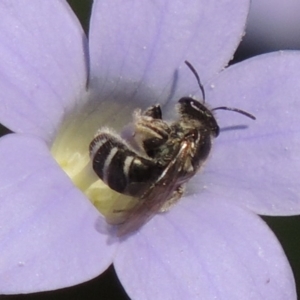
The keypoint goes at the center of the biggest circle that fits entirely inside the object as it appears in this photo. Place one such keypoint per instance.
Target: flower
(212, 245)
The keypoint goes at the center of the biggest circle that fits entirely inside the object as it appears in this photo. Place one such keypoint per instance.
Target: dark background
(107, 286)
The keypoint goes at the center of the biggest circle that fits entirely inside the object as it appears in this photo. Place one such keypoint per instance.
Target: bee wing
(151, 202)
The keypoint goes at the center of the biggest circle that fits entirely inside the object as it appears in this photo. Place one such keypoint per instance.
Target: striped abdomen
(119, 166)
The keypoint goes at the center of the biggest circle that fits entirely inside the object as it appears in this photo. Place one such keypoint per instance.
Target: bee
(168, 154)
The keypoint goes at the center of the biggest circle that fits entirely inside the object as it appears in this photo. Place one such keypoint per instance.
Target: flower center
(71, 151)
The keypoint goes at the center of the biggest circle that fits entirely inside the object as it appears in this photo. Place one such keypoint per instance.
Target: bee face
(193, 109)
(168, 155)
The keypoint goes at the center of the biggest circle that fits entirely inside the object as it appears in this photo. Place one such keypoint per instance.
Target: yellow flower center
(71, 151)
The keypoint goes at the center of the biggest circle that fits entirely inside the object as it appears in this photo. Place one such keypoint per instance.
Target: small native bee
(168, 155)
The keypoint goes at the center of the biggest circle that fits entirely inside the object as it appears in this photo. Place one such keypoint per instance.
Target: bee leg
(175, 197)
(121, 167)
(150, 133)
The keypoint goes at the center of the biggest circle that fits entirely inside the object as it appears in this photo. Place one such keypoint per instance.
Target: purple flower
(211, 245)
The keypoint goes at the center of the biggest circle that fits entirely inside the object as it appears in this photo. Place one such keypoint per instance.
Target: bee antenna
(236, 110)
(197, 77)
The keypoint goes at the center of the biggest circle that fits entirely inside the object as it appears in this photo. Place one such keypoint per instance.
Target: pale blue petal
(205, 249)
(43, 65)
(137, 47)
(257, 166)
(48, 229)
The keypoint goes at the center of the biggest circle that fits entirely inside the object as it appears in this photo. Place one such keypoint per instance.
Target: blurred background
(272, 25)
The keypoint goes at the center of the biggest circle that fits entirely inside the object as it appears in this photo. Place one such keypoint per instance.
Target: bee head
(192, 109)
